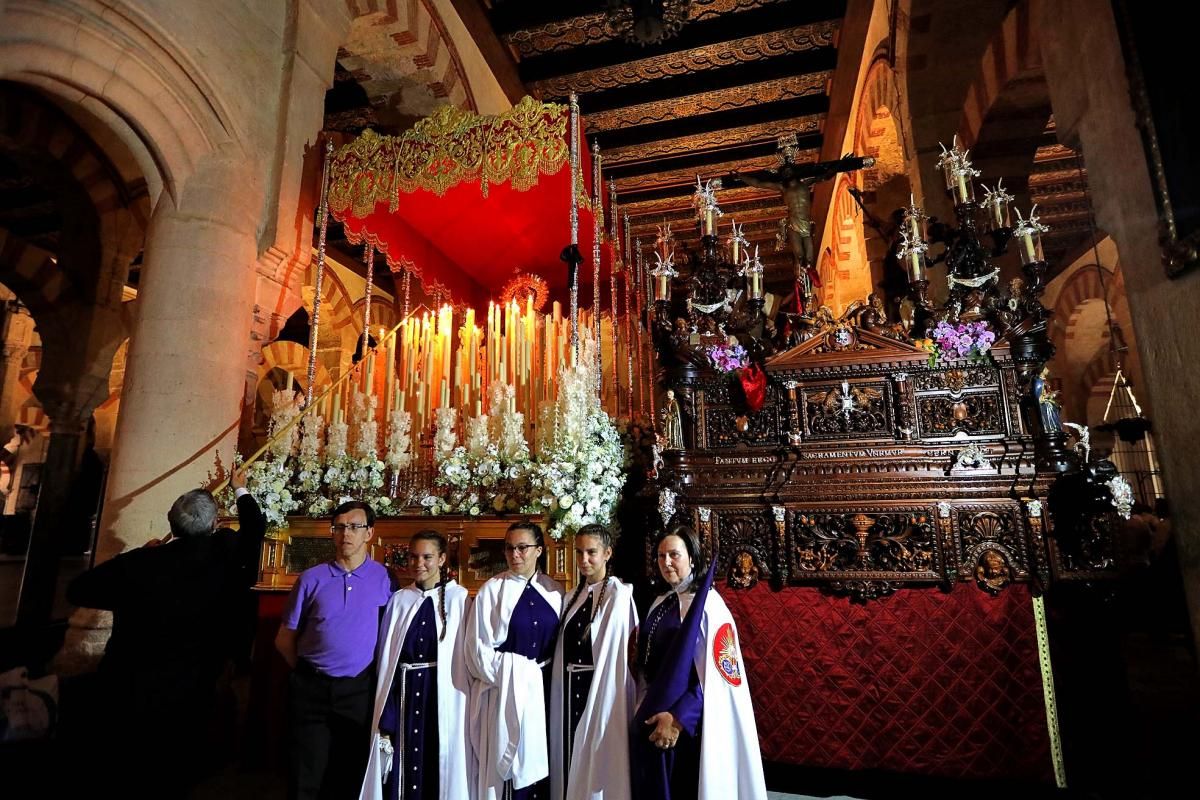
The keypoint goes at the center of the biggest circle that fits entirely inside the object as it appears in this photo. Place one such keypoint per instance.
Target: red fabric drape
(473, 244)
(920, 682)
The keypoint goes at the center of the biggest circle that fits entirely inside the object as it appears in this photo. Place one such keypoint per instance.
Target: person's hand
(237, 478)
(157, 542)
(386, 754)
(666, 730)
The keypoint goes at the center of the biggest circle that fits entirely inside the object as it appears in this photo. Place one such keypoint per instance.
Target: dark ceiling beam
(705, 33)
(702, 159)
(661, 89)
(513, 15)
(717, 121)
(497, 55)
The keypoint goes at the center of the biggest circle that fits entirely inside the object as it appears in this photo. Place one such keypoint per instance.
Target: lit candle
(662, 286)
(709, 224)
(389, 373)
(736, 243)
(913, 217)
(916, 266)
(964, 190)
(1027, 247)
(756, 287)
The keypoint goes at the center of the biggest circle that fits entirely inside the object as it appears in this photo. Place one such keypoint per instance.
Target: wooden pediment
(845, 344)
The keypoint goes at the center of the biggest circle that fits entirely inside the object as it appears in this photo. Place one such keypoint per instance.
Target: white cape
(457, 773)
(600, 756)
(730, 759)
(507, 709)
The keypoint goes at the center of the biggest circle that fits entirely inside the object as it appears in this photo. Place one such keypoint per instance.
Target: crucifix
(794, 181)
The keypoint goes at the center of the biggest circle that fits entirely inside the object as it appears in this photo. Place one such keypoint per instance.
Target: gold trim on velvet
(449, 147)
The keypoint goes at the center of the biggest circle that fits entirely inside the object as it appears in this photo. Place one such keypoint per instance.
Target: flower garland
(580, 471)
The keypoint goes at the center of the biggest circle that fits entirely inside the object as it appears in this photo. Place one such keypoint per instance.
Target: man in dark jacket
(175, 609)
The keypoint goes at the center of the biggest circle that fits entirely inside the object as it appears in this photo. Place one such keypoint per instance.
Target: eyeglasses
(343, 527)
(519, 548)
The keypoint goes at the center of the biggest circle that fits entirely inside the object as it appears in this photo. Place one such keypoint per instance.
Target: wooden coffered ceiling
(714, 98)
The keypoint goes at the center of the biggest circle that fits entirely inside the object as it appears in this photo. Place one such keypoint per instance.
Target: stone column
(54, 500)
(18, 330)
(1085, 71)
(182, 396)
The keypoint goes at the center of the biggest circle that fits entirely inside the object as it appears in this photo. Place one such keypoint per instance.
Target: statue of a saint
(672, 423)
(1049, 406)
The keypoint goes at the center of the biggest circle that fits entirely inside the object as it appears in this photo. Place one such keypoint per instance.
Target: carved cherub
(744, 573)
(992, 572)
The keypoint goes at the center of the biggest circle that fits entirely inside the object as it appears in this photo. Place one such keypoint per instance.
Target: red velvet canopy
(465, 202)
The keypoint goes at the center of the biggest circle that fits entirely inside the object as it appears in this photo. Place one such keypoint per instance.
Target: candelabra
(972, 280)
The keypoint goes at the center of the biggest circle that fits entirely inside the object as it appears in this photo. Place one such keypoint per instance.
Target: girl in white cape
(420, 750)
(592, 699)
(693, 735)
(509, 650)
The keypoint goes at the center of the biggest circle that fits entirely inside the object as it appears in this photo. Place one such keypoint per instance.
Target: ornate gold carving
(447, 148)
(590, 28)
(522, 286)
(845, 409)
(891, 542)
(697, 59)
(992, 572)
(958, 378)
(974, 414)
(744, 573)
(730, 137)
(708, 102)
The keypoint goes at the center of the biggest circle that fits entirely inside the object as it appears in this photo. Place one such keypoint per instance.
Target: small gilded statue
(672, 424)
(992, 573)
(744, 573)
(1049, 406)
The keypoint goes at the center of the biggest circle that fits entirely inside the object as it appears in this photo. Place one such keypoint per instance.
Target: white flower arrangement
(285, 406)
(1122, 495)
(580, 471)
(268, 482)
(308, 473)
(477, 435)
(399, 440)
(444, 437)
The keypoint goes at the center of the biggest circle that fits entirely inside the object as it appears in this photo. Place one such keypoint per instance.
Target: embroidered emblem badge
(725, 655)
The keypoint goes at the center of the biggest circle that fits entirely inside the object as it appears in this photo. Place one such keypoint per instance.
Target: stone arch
(165, 106)
(290, 357)
(1013, 54)
(392, 42)
(1084, 284)
(35, 131)
(878, 133)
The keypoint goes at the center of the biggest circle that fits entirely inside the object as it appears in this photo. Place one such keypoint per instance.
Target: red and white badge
(725, 655)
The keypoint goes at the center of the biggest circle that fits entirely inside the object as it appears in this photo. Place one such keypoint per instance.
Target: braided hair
(429, 535)
(606, 539)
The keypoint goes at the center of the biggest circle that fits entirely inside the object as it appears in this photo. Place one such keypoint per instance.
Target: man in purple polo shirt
(328, 636)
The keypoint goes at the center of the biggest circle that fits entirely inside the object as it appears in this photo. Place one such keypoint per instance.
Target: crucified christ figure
(794, 181)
